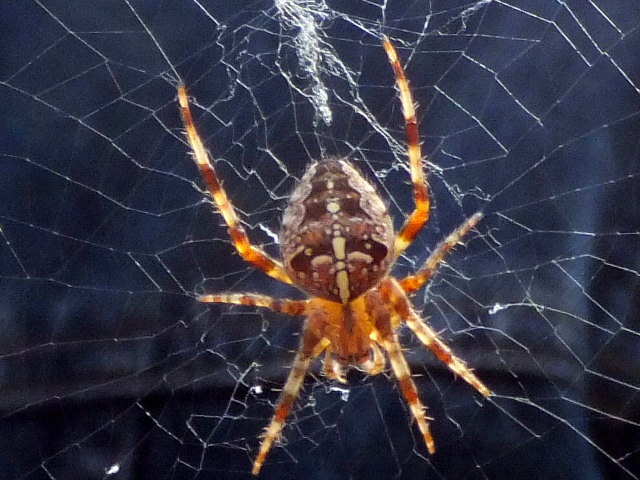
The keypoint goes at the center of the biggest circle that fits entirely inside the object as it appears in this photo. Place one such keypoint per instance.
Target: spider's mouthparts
(356, 360)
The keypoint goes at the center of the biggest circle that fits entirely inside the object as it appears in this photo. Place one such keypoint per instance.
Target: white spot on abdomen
(339, 247)
(333, 207)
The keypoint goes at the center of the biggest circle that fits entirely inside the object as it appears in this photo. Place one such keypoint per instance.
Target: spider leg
(237, 232)
(384, 335)
(280, 305)
(312, 345)
(408, 388)
(429, 337)
(420, 214)
(413, 282)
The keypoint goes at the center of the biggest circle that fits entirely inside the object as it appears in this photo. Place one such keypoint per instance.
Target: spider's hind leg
(238, 235)
(420, 214)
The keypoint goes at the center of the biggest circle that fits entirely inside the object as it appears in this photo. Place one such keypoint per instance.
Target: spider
(338, 245)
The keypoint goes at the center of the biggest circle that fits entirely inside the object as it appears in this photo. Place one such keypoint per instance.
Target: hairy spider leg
(280, 305)
(238, 235)
(393, 293)
(420, 214)
(312, 344)
(411, 283)
(384, 336)
(408, 388)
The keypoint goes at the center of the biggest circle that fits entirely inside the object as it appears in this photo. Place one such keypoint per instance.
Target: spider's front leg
(312, 344)
(408, 388)
(393, 293)
(238, 235)
(385, 336)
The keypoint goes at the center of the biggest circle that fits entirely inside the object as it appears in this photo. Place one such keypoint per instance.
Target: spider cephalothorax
(337, 237)
(338, 245)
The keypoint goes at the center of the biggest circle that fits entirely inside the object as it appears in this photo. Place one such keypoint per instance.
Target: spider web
(109, 368)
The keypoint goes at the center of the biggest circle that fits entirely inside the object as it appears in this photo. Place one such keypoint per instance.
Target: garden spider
(338, 244)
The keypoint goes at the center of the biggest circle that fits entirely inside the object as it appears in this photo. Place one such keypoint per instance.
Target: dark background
(109, 368)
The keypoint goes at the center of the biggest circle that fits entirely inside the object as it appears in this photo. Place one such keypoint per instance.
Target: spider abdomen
(337, 236)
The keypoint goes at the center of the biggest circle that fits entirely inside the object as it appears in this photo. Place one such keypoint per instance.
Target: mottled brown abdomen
(337, 237)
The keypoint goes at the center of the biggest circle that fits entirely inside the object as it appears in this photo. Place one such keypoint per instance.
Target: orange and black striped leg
(408, 388)
(430, 339)
(237, 232)
(280, 305)
(313, 343)
(420, 214)
(384, 336)
(413, 282)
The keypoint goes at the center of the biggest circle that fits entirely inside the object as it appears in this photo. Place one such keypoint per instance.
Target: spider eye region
(337, 236)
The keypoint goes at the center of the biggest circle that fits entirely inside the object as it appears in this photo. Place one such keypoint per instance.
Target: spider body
(338, 245)
(337, 236)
